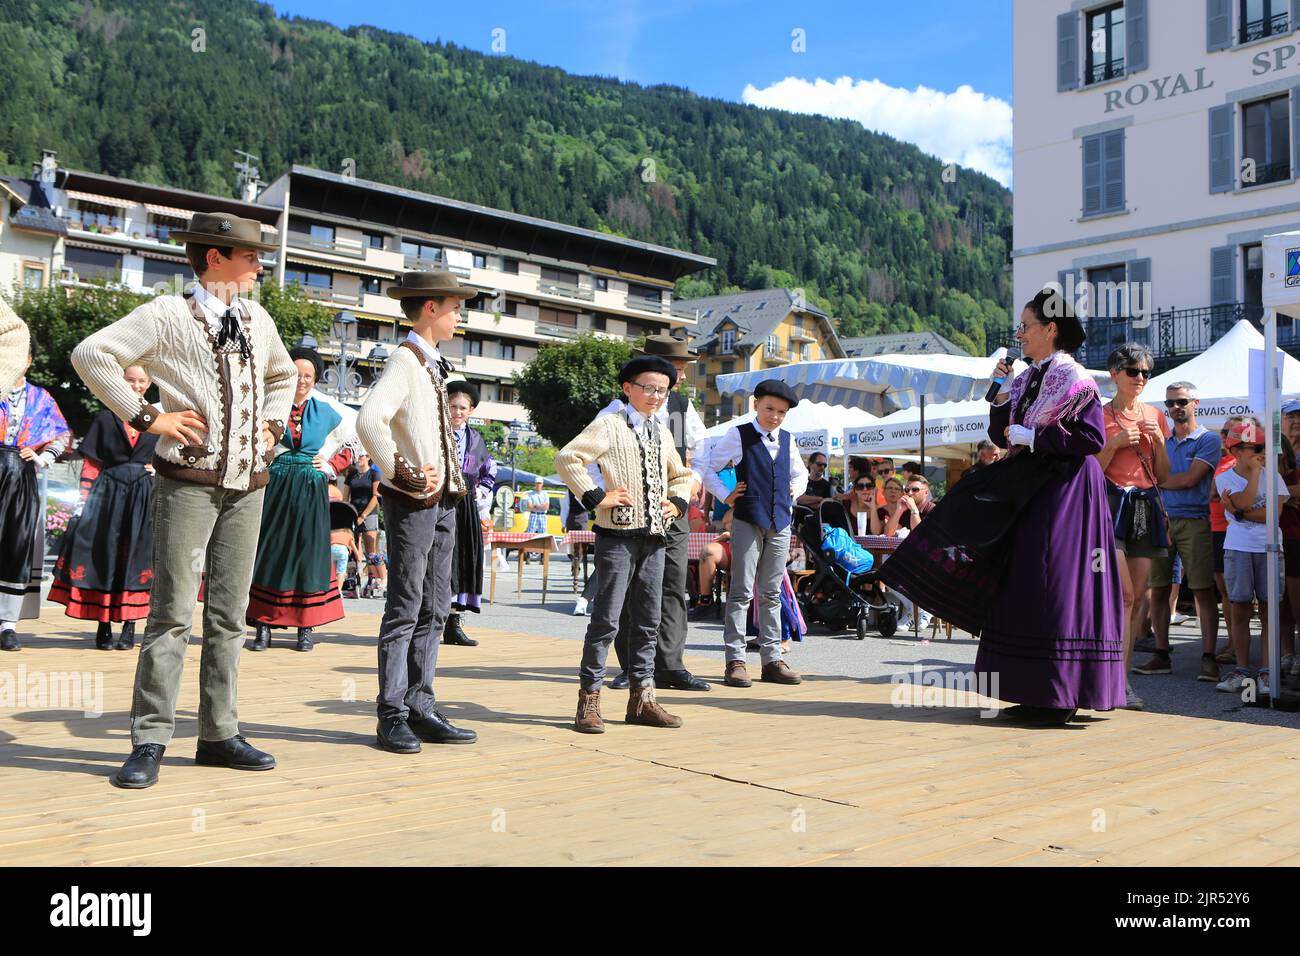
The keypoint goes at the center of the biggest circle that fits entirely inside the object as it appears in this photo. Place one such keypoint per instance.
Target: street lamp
(519, 434)
(341, 378)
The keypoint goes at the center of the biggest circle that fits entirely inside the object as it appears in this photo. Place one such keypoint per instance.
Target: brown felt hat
(668, 346)
(430, 285)
(223, 229)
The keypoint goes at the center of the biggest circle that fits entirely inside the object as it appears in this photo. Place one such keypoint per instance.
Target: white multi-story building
(1156, 143)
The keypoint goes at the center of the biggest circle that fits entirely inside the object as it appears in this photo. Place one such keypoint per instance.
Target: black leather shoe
(9, 641)
(141, 768)
(437, 729)
(235, 753)
(679, 680)
(453, 633)
(620, 682)
(104, 636)
(305, 642)
(126, 639)
(394, 735)
(262, 639)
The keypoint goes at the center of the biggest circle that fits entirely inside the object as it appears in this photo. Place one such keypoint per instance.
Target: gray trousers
(672, 604)
(629, 571)
(195, 527)
(758, 557)
(420, 546)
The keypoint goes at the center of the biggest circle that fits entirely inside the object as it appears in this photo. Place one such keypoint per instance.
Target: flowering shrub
(57, 517)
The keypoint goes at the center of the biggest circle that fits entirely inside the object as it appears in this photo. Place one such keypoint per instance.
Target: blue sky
(933, 72)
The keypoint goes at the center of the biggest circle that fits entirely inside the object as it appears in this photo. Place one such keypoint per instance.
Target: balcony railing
(1176, 335)
(647, 305)
(332, 246)
(1265, 27)
(1265, 174)
(1107, 70)
(331, 295)
(779, 354)
(567, 289)
(559, 331)
(433, 264)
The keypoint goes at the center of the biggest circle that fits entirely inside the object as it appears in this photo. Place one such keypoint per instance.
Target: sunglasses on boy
(1177, 402)
(1133, 371)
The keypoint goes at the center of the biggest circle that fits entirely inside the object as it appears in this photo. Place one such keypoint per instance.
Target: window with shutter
(1222, 152)
(1218, 25)
(1067, 52)
(1091, 175)
(1223, 275)
(1113, 171)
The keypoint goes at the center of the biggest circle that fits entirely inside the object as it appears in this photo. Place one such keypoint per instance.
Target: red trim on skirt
(295, 608)
(86, 604)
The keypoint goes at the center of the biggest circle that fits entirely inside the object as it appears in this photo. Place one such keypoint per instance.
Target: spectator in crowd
(715, 557)
(917, 493)
(1193, 453)
(1244, 561)
(819, 486)
(1218, 534)
(1134, 461)
(861, 506)
(985, 454)
(363, 494)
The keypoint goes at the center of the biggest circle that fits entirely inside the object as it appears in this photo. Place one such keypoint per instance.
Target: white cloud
(964, 126)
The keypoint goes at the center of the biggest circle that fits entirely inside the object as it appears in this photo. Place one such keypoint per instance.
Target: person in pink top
(1135, 463)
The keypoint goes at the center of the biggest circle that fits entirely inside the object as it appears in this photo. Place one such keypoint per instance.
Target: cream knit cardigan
(14, 345)
(611, 444)
(233, 395)
(405, 424)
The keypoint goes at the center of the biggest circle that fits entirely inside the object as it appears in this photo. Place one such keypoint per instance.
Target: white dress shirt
(213, 308)
(728, 449)
(431, 352)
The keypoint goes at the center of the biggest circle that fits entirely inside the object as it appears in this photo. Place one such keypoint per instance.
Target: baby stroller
(832, 596)
(343, 517)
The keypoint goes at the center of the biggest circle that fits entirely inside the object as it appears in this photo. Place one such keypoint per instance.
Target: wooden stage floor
(826, 773)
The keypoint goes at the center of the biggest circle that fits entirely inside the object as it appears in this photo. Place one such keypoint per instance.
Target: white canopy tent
(952, 431)
(1220, 375)
(815, 426)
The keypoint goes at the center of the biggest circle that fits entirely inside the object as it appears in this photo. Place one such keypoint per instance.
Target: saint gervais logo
(1292, 278)
(75, 909)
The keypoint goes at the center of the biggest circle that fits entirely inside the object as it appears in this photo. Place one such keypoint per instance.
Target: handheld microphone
(1009, 355)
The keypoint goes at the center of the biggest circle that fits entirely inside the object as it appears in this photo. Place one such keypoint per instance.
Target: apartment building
(1156, 142)
(73, 227)
(747, 331)
(348, 239)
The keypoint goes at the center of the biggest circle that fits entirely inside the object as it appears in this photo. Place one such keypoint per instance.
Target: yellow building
(748, 331)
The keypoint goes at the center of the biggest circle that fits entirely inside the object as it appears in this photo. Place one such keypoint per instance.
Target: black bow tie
(232, 330)
(445, 367)
(770, 437)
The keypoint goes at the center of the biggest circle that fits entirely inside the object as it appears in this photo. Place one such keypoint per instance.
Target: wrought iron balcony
(1264, 27)
(1176, 335)
(1264, 174)
(1106, 70)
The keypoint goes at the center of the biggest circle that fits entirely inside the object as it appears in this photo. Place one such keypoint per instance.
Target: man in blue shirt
(1194, 453)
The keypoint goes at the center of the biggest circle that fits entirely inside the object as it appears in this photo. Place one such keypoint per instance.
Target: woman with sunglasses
(1135, 462)
(861, 505)
(1022, 552)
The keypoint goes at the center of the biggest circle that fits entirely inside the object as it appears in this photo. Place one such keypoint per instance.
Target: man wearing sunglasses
(1194, 454)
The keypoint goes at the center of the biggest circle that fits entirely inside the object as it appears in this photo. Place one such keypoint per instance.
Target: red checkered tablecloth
(513, 537)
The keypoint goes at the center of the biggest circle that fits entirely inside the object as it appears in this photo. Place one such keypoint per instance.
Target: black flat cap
(460, 387)
(776, 389)
(648, 363)
(311, 355)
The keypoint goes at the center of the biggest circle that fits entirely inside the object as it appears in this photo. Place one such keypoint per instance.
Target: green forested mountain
(863, 222)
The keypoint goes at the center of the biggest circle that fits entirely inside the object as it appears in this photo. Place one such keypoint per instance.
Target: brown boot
(779, 672)
(737, 675)
(642, 708)
(588, 720)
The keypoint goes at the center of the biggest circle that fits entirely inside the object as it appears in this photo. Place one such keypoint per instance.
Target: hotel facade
(1156, 142)
(345, 241)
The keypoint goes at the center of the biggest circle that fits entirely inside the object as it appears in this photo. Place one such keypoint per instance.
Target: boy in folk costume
(405, 425)
(770, 477)
(32, 435)
(225, 382)
(648, 486)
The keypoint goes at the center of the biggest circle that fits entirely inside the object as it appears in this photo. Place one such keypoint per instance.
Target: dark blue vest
(766, 501)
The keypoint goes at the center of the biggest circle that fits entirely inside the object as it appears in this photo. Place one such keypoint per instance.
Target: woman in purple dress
(1023, 552)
